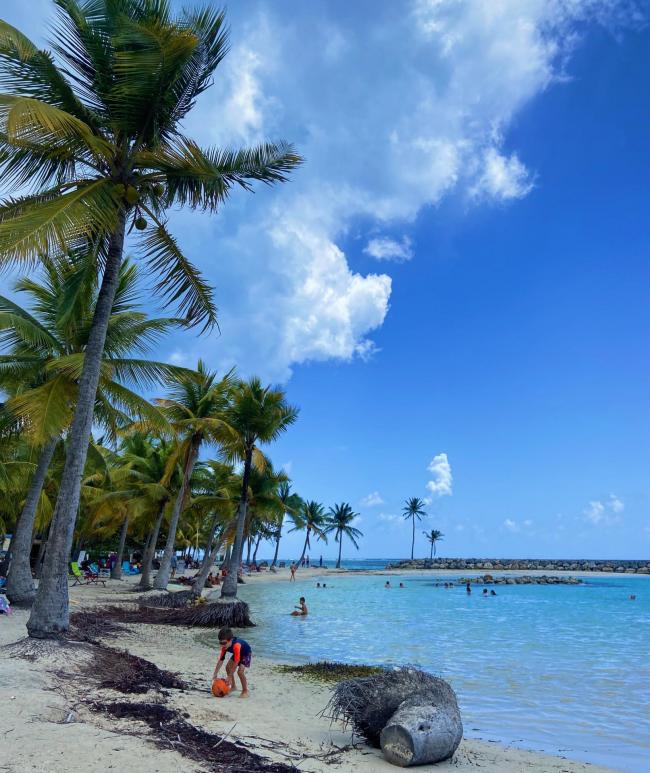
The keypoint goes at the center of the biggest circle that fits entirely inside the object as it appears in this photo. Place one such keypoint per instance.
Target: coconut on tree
(93, 132)
(414, 509)
(339, 520)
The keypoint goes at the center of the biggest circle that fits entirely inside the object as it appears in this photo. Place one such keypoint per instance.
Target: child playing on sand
(241, 659)
(303, 608)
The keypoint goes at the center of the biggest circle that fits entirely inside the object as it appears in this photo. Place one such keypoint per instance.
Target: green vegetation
(329, 672)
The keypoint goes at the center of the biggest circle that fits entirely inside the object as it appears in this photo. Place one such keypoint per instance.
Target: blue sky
(454, 289)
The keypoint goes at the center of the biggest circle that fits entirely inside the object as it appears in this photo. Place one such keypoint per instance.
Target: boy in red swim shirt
(241, 659)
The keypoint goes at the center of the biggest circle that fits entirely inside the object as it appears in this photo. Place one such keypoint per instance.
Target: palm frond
(180, 281)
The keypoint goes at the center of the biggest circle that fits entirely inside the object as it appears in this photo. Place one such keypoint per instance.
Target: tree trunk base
(419, 733)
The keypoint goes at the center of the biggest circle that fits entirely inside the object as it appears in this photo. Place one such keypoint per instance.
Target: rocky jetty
(525, 579)
(527, 565)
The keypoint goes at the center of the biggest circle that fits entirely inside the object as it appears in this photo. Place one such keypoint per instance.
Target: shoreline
(280, 720)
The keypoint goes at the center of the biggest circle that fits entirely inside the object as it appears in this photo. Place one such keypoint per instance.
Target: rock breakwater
(528, 565)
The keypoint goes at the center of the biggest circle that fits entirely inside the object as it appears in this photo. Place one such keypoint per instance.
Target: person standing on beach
(292, 569)
(241, 659)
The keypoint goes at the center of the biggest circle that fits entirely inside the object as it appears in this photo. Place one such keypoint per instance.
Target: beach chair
(84, 578)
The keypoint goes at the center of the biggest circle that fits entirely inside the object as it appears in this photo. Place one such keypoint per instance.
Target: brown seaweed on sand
(169, 730)
(126, 673)
(368, 703)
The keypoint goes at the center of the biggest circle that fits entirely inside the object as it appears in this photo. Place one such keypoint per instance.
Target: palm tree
(46, 349)
(291, 503)
(311, 517)
(340, 519)
(413, 508)
(257, 415)
(433, 536)
(196, 408)
(95, 132)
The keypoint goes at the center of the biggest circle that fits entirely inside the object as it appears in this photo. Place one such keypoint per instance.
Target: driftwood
(368, 703)
(422, 731)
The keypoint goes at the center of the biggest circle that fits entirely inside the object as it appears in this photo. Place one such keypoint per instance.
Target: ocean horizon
(563, 669)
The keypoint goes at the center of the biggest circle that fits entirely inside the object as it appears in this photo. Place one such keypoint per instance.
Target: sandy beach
(46, 727)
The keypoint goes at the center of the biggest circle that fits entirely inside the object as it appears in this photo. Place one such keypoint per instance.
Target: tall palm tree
(46, 347)
(433, 536)
(413, 509)
(291, 503)
(257, 415)
(196, 408)
(340, 519)
(312, 519)
(95, 131)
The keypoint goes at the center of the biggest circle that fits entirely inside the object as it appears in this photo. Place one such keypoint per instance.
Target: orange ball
(220, 688)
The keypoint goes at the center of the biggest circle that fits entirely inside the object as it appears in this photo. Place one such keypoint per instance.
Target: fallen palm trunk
(420, 709)
(215, 615)
(170, 600)
(420, 732)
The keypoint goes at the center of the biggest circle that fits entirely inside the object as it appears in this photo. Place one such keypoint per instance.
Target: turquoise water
(560, 669)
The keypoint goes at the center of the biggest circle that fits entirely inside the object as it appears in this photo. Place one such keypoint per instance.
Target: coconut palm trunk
(162, 578)
(211, 550)
(433, 545)
(50, 612)
(116, 571)
(278, 537)
(305, 546)
(257, 545)
(229, 587)
(413, 540)
(340, 536)
(20, 585)
(150, 552)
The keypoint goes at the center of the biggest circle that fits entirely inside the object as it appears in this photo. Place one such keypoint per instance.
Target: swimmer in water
(301, 610)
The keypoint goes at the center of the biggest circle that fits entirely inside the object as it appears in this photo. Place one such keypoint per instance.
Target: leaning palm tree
(257, 415)
(46, 345)
(312, 519)
(433, 536)
(196, 408)
(413, 509)
(94, 132)
(291, 503)
(340, 520)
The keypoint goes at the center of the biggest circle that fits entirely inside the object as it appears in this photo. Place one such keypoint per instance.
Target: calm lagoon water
(561, 669)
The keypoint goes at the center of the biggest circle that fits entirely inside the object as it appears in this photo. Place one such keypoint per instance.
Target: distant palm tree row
(313, 519)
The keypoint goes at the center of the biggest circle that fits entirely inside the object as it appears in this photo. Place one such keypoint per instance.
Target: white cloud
(616, 504)
(390, 518)
(440, 484)
(287, 467)
(377, 151)
(528, 522)
(178, 357)
(511, 525)
(502, 177)
(373, 499)
(605, 513)
(385, 248)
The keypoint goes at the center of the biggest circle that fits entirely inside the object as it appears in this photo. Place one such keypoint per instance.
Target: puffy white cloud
(385, 248)
(502, 178)
(605, 513)
(511, 525)
(616, 505)
(372, 500)
(377, 151)
(440, 484)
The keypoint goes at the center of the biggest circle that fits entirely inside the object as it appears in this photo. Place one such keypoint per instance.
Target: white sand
(280, 718)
